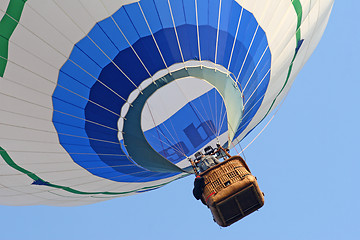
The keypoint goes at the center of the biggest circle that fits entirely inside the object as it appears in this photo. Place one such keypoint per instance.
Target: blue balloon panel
(103, 69)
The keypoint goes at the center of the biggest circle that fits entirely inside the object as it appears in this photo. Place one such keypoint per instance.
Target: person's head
(198, 155)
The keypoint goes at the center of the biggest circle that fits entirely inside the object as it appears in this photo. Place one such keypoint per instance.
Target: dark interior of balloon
(190, 128)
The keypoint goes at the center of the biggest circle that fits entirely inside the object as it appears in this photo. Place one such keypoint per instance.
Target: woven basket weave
(231, 191)
(224, 174)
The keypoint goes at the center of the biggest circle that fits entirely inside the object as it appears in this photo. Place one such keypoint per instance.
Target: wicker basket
(230, 191)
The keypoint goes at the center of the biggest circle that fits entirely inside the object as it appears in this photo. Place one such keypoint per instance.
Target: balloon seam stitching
(39, 181)
(298, 9)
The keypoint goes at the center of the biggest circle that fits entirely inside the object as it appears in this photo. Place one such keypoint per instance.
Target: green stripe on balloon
(40, 181)
(8, 24)
(298, 9)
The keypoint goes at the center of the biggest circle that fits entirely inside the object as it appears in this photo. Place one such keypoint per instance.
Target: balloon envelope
(101, 99)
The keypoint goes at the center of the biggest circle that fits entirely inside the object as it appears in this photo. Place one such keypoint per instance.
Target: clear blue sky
(306, 161)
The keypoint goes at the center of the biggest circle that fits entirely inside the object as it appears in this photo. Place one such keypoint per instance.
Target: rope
(217, 34)
(233, 46)
(242, 151)
(247, 53)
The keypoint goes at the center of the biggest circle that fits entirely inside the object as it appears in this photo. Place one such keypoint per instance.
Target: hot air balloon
(101, 99)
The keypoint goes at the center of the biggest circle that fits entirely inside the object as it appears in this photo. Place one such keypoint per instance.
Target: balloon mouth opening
(177, 114)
